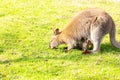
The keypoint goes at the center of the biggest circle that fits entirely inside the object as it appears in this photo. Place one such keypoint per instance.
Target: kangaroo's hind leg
(96, 38)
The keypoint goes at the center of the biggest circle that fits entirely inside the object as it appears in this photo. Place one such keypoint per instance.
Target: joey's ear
(56, 31)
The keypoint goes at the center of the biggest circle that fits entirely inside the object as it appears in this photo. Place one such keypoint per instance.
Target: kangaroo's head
(54, 42)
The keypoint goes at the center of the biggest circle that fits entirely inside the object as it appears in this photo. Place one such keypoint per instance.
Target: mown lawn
(25, 30)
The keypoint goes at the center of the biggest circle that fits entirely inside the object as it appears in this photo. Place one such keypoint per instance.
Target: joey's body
(92, 24)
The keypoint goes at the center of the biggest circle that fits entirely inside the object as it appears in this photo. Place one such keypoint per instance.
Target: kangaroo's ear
(94, 19)
(56, 31)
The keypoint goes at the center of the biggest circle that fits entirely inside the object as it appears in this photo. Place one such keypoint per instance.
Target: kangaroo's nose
(49, 46)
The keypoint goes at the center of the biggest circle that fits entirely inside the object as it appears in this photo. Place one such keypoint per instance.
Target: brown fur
(92, 24)
(86, 45)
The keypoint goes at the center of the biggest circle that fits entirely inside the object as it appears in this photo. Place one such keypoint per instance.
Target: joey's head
(54, 42)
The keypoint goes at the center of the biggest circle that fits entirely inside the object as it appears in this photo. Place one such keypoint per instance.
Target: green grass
(25, 30)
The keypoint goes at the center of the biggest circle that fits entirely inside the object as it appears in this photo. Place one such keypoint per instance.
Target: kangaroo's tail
(112, 36)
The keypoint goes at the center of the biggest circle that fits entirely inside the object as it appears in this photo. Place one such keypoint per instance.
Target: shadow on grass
(108, 48)
(74, 55)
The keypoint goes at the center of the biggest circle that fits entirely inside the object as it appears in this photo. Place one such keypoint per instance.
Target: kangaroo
(92, 24)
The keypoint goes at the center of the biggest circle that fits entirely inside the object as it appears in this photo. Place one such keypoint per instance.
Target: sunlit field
(25, 30)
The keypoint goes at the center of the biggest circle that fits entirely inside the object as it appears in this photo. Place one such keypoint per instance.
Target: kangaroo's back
(80, 25)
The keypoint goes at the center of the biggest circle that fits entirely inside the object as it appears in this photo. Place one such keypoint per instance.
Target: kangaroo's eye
(51, 40)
